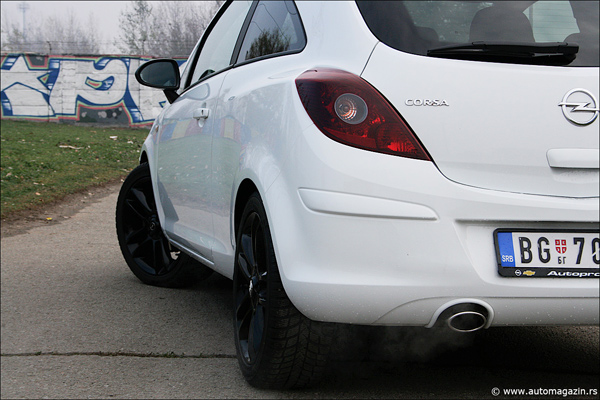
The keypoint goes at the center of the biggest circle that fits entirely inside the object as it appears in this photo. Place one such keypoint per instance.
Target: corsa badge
(529, 273)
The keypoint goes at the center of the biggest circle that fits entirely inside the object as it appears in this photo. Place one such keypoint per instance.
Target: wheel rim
(251, 288)
(143, 236)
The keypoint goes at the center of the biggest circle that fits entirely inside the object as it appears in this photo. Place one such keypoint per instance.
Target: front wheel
(277, 347)
(148, 253)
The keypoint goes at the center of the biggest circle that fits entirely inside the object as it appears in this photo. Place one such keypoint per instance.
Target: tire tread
(296, 348)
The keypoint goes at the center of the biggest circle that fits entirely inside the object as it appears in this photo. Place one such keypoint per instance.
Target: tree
(65, 35)
(12, 38)
(62, 34)
(135, 28)
(166, 29)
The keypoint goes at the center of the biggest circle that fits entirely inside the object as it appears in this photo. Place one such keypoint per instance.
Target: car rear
(499, 212)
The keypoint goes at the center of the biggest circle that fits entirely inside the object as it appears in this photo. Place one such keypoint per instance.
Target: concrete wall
(93, 89)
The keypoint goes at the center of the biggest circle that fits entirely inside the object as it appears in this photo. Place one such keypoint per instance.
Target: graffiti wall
(93, 89)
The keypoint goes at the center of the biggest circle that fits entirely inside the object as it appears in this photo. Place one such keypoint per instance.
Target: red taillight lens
(349, 110)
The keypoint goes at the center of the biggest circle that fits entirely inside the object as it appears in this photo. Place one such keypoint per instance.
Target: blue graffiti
(87, 89)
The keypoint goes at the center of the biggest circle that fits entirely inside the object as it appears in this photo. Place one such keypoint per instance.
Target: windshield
(423, 27)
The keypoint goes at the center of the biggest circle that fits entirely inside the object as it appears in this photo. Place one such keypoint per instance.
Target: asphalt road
(77, 324)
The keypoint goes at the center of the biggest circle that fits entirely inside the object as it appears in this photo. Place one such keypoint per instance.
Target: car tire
(147, 251)
(277, 347)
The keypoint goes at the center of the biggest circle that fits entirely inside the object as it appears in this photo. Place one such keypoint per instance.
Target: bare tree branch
(62, 34)
(165, 29)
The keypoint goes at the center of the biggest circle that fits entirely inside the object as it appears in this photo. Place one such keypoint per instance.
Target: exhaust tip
(464, 317)
(467, 321)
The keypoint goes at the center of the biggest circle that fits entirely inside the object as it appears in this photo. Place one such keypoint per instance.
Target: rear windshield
(561, 32)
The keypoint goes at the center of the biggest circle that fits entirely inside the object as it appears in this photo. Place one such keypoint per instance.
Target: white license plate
(552, 254)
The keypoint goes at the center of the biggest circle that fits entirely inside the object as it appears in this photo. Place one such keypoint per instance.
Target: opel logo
(577, 105)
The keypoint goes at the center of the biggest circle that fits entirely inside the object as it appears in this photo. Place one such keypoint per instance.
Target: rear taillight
(349, 110)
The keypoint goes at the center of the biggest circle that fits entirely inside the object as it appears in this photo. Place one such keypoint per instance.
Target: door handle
(201, 113)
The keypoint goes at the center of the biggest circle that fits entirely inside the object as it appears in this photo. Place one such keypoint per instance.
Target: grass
(43, 162)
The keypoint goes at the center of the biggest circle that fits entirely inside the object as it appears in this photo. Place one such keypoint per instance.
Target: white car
(414, 163)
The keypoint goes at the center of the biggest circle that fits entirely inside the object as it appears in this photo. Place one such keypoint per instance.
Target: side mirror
(160, 74)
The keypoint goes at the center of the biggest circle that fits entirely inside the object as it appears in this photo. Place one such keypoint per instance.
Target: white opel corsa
(383, 163)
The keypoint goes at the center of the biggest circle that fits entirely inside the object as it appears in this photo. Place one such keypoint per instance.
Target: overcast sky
(106, 13)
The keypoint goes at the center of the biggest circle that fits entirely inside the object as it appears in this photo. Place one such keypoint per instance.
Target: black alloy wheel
(251, 296)
(277, 346)
(148, 253)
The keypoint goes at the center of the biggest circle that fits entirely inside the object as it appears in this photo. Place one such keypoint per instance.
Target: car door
(254, 97)
(184, 144)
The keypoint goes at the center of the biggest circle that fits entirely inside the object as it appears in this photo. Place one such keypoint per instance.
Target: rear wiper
(515, 53)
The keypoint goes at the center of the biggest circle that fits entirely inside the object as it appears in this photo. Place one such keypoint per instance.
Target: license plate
(547, 254)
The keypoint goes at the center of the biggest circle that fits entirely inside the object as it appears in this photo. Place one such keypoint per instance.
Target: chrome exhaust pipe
(466, 321)
(464, 317)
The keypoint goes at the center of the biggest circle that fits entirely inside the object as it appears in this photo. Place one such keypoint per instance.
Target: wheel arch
(245, 190)
(143, 157)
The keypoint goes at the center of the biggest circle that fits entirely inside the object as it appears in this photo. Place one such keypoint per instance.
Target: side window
(275, 28)
(217, 50)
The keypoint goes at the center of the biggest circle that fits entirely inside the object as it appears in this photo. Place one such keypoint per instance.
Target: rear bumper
(369, 239)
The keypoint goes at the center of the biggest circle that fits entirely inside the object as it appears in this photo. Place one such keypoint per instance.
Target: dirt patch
(56, 212)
